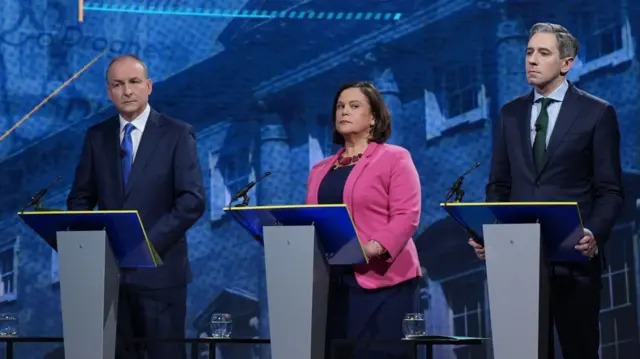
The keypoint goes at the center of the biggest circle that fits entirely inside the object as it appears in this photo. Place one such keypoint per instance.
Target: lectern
(300, 243)
(92, 246)
(519, 238)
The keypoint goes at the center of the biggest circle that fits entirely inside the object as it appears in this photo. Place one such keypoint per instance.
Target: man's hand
(479, 249)
(587, 245)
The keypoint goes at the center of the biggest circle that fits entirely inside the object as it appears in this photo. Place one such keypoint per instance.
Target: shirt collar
(139, 122)
(557, 94)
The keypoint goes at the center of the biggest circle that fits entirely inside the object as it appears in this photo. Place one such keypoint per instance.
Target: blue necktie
(127, 149)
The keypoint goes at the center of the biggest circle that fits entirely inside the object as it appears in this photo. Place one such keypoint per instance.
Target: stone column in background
(275, 157)
(386, 83)
(380, 63)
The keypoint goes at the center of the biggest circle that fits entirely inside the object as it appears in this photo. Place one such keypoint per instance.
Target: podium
(300, 243)
(92, 246)
(519, 239)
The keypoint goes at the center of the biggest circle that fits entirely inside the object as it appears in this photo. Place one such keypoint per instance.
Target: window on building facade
(9, 270)
(238, 171)
(618, 313)
(602, 34)
(228, 173)
(460, 85)
(457, 96)
(467, 300)
(605, 41)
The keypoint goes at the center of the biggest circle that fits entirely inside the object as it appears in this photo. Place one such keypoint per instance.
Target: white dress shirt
(138, 129)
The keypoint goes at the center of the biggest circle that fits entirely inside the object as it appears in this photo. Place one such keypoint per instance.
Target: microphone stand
(456, 189)
(459, 193)
(244, 194)
(245, 201)
(36, 200)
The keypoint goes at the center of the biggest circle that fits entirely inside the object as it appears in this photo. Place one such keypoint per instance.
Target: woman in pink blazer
(380, 186)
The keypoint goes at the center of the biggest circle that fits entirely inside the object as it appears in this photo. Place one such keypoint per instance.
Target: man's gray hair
(126, 56)
(567, 43)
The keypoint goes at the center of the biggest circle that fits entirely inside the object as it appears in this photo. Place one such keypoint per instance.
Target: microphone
(35, 200)
(456, 188)
(243, 192)
(245, 202)
(538, 127)
(122, 153)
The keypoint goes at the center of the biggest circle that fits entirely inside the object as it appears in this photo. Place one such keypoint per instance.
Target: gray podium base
(518, 291)
(89, 283)
(297, 290)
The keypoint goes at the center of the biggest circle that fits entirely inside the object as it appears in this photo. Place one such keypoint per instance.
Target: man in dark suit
(559, 143)
(143, 160)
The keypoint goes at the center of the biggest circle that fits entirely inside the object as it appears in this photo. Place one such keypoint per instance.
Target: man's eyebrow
(129, 79)
(539, 48)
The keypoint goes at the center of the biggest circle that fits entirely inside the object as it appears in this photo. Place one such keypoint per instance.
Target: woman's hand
(374, 249)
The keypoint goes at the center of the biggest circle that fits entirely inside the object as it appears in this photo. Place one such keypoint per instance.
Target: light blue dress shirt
(552, 110)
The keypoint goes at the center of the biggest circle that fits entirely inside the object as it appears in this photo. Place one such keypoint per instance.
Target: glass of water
(8, 325)
(221, 325)
(413, 325)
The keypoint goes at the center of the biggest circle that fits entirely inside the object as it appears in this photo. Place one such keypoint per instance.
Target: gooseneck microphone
(456, 188)
(243, 193)
(37, 198)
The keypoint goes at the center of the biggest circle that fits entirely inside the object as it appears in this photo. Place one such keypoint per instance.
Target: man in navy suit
(559, 143)
(143, 160)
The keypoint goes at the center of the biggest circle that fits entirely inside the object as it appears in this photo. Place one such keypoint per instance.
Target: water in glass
(413, 324)
(221, 325)
(8, 325)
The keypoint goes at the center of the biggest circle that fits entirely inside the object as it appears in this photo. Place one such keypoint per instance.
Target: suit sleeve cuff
(587, 231)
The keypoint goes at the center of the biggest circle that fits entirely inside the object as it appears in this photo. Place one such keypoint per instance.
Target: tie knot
(128, 128)
(545, 101)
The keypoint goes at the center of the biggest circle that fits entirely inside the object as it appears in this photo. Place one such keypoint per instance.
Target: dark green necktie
(540, 142)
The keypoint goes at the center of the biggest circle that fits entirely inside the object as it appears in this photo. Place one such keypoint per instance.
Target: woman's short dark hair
(382, 127)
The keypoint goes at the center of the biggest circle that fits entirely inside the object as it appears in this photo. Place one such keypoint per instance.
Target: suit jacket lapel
(112, 154)
(357, 170)
(151, 137)
(524, 125)
(569, 110)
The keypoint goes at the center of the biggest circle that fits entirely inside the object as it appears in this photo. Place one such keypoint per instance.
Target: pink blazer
(383, 195)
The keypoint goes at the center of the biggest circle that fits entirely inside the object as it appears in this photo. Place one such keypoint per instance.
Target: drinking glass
(8, 325)
(413, 325)
(221, 325)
